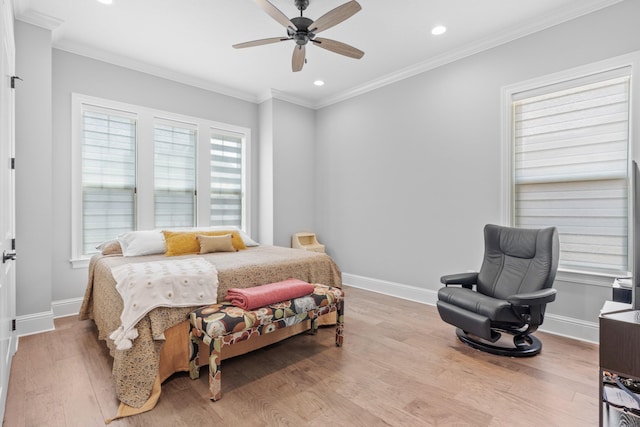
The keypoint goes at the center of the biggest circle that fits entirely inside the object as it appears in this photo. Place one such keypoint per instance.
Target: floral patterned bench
(224, 324)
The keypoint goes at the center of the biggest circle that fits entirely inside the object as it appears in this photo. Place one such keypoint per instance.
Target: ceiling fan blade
(335, 16)
(338, 47)
(260, 42)
(297, 61)
(275, 13)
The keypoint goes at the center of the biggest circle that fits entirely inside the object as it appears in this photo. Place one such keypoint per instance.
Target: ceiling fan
(303, 30)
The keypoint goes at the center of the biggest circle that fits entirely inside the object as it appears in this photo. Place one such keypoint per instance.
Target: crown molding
(283, 96)
(511, 34)
(39, 19)
(161, 72)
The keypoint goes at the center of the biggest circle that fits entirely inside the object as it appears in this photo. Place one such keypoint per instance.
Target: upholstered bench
(221, 325)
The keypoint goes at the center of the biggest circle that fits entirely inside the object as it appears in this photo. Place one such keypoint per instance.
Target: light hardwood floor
(400, 366)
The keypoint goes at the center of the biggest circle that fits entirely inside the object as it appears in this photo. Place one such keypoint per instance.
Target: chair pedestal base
(523, 346)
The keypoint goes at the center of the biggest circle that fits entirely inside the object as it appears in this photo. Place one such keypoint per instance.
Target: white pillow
(146, 242)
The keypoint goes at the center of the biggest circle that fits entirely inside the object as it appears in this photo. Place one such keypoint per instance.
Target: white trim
(571, 328)
(282, 96)
(399, 290)
(39, 19)
(66, 307)
(553, 324)
(161, 72)
(38, 323)
(35, 323)
(585, 278)
(79, 263)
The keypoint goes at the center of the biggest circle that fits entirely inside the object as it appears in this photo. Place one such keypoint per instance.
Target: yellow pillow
(186, 242)
(210, 244)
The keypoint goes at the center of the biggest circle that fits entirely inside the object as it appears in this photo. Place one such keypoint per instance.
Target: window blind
(174, 174)
(108, 175)
(570, 170)
(226, 163)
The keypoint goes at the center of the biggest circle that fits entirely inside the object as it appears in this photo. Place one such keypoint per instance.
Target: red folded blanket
(260, 296)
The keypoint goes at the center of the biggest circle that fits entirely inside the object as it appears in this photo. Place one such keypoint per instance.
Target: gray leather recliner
(511, 291)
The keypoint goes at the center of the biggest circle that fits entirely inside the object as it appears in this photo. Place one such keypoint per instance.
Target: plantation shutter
(570, 168)
(226, 163)
(108, 175)
(174, 174)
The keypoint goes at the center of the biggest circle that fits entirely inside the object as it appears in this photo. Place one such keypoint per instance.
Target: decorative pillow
(248, 241)
(210, 244)
(146, 242)
(110, 247)
(186, 242)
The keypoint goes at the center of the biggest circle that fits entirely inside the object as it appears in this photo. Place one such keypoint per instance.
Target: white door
(8, 339)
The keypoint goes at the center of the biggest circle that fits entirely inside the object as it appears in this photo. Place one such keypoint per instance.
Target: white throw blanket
(147, 285)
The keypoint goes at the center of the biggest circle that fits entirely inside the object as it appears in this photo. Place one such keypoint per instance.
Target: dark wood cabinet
(620, 368)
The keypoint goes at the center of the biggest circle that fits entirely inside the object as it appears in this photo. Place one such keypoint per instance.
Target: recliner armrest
(466, 280)
(540, 297)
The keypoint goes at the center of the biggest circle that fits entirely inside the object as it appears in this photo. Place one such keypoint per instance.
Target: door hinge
(13, 163)
(13, 81)
(13, 324)
(13, 244)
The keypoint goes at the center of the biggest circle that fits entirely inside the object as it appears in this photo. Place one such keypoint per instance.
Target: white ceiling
(190, 40)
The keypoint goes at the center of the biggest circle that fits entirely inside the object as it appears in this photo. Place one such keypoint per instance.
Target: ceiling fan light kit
(303, 30)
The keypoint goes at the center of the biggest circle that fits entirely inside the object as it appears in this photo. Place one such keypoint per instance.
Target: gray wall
(407, 175)
(266, 173)
(74, 73)
(34, 224)
(287, 171)
(294, 167)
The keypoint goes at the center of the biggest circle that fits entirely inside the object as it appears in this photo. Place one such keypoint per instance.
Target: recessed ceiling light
(105, 1)
(318, 83)
(438, 30)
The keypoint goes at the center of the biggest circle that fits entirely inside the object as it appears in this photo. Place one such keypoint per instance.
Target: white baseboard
(43, 322)
(411, 293)
(571, 328)
(34, 323)
(553, 324)
(66, 307)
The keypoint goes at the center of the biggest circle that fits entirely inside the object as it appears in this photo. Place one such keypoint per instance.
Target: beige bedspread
(135, 370)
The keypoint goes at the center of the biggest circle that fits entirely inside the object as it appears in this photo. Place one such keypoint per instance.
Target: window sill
(586, 278)
(80, 263)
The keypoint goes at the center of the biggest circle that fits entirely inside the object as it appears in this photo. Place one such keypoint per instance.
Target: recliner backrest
(517, 260)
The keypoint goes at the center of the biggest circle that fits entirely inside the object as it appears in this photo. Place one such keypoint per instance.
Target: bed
(161, 349)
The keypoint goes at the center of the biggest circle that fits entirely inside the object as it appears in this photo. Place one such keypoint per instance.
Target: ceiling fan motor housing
(303, 35)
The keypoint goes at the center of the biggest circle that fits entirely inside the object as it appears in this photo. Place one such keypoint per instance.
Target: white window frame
(631, 60)
(147, 117)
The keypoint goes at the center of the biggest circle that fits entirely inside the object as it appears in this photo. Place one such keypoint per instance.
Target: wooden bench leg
(314, 324)
(340, 324)
(215, 387)
(194, 368)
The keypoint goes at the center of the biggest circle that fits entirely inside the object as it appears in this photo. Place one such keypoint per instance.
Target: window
(108, 175)
(226, 179)
(135, 168)
(174, 175)
(569, 162)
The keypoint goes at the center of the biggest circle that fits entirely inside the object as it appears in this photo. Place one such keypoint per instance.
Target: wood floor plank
(400, 366)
